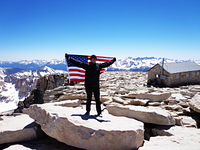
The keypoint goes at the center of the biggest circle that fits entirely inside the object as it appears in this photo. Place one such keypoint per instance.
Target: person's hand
(114, 59)
(67, 56)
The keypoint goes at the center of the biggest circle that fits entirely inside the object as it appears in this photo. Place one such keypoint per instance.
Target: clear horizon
(117, 59)
(47, 29)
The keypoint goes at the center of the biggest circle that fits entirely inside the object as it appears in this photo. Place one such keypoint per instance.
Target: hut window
(177, 76)
(187, 75)
(197, 73)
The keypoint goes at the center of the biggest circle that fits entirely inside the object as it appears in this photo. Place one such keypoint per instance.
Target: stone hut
(175, 74)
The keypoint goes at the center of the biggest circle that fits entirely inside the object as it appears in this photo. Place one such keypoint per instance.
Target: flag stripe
(76, 79)
(76, 70)
(76, 74)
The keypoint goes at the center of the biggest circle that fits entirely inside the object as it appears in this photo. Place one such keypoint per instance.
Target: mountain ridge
(126, 64)
(141, 63)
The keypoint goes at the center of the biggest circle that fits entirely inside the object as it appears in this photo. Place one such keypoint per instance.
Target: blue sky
(47, 29)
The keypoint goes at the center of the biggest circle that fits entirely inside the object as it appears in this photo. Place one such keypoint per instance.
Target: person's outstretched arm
(106, 64)
(76, 62)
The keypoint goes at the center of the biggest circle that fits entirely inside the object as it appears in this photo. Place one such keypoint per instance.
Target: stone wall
(156, 70)
(183, 80)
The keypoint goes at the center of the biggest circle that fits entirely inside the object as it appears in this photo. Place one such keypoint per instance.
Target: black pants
(89, 91)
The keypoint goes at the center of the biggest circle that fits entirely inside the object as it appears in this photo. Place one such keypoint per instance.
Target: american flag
(77, 73)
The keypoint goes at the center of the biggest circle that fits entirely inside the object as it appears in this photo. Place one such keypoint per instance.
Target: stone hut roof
(180, 67)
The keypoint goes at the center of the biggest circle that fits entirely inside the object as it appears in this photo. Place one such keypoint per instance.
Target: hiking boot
(99, 115)
(87, 113)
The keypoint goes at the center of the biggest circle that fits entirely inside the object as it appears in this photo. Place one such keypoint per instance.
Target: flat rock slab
(145, 114)
(140, 102)
(118, 100)
(195, 103)
(174, 138)
(18, 129)
(69, 103)
(72, 127)
(153, 96)
(195, 89)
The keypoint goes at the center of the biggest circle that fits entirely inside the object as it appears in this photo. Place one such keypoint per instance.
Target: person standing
(92, 73)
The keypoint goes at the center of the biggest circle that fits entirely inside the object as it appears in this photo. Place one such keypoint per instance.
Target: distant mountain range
(17, 79)
(141, 63)
(35, 64)
(127, 64)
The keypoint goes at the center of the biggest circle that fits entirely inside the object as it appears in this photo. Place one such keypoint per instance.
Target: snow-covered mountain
(2, 74)
(25, 74)
(35, 64)
(140, 63)
(127, 64)
(17, 86)
(7, 71)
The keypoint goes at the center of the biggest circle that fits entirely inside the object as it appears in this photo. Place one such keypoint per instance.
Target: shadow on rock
(86, 117)
(47, 143)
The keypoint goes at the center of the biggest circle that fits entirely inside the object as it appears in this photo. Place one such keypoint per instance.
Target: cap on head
(93, 57)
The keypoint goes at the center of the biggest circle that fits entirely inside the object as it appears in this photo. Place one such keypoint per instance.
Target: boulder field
(134, 116)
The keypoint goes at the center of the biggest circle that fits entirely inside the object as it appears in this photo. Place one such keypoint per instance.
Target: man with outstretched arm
(92, 73)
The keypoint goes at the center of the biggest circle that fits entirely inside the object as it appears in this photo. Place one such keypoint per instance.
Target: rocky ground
(134, 116)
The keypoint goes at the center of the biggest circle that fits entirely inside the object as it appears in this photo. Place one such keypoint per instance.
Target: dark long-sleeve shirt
(92, 71)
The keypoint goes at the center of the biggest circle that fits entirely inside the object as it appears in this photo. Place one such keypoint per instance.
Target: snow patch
(11, 97)
(7, 106)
